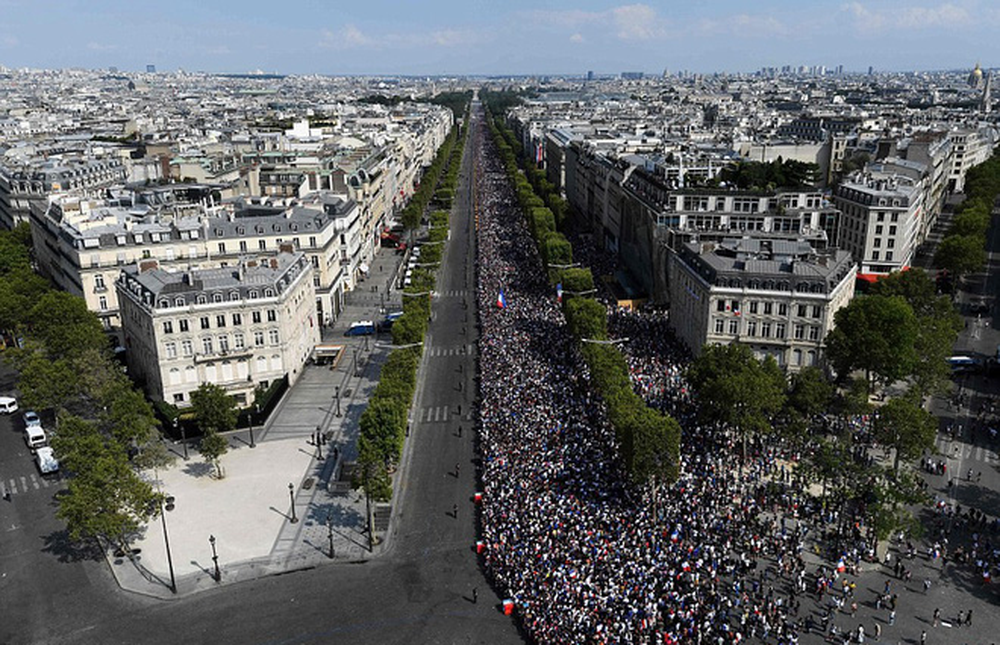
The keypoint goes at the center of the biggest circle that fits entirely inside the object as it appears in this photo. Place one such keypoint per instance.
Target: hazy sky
(497, 36)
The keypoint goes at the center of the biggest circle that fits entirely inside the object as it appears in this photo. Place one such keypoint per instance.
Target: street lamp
(215, 559)
(604, 342)
(329, 531)
(177, 423)
(291, 496)
(166, 540)
(391, 346)
(336, 395)
(256, 414)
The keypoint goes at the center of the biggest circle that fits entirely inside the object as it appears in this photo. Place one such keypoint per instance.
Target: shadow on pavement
(66, 550)
(199, 469)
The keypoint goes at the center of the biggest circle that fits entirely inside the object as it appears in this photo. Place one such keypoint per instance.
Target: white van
(35, 437)
(8, 405)
(46, 460)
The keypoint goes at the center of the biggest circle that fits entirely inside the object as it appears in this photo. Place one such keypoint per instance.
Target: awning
(328, 349)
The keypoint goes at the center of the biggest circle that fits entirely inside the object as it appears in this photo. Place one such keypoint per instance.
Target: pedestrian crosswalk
(459, 350)
(963, 451)
(434, 414)
(453, 293)
(29, 483)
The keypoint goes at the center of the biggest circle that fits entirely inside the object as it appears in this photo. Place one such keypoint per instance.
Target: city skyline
(467, 38)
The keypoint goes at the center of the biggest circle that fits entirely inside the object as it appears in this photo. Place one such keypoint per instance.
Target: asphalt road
(420, 591)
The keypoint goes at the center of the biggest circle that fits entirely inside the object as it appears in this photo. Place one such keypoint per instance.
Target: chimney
(274, 263)
(286, 247)
(148, 265)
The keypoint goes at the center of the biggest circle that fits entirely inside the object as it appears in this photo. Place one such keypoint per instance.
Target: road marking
(12, 486)
(34, 481)
(24, 484)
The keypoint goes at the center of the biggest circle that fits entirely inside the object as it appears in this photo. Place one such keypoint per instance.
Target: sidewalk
(249, 511)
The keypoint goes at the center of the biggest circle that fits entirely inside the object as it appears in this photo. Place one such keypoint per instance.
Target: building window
(204, 322)
(877, 242)
(817, 311)
(220, 320)
(892, 230)
(803, 311)
(782, 309)
(765, 330)
(753, 306)
(814, 333)
(262, 245)
(779, 331)
(272, 315)
(179, 397)
(888, 256)
(187, 348)
(202, 300)
(720, 325)
(720, 305)
(811, 360)
(272, 336)
(768, 308)
(258, 339)
(238, 341)
(752, 325)
(243, 246)
(223, 343)
(255, 317)
(800, 332)
(206, 345)
(102, 302)
(890, 243)
(875, 255)
(171, 349)
(168, 327)
(237, 320)
(734, 327)
(796, 357)
(312, 241)
(222, 247)
(99, 282)
(217, 297)
(183, 324)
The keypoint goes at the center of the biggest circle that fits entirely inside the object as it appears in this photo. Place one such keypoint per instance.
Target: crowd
(714, 558)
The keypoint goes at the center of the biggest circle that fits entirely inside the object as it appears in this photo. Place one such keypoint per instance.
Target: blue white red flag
(559, 292)
(501, 301)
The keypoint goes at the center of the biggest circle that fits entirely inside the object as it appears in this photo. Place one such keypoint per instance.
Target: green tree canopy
(875, 334)
(906, 427)
(62, 323)
(212, 447)
(736, 389)
(213, 408)
(961, 254)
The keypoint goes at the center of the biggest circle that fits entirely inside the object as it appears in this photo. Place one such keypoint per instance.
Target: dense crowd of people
(584, 557)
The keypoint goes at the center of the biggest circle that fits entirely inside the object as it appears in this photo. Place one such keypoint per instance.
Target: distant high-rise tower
(590, 75)
(986, 102)
(150, 69)
(871, 70)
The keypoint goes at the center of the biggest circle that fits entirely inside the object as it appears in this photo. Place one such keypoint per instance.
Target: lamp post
(256, 415)
(166, 540)
(336, 395)
(215, 559)
(177, 422)
(291, 496)
(329, 531)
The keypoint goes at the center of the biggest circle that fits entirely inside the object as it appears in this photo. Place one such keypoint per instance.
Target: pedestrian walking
(923, 637)
(936, 619)
(927, 584)
(454, 511)
(892, 617)
(475, 594)
(878, 631)
(968, 618)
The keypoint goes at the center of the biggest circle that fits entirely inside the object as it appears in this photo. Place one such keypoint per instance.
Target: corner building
(237, 327)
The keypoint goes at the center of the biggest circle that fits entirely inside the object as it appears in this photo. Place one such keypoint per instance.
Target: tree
(905, 427)
(736, 389)
(876, 334)
(586, 318)
(213, 408)
(106, 499)
(62, 323)
(961, 254)
(45, 383)
(938, 324)
(383, 424)
(19, 291)
(212, 447)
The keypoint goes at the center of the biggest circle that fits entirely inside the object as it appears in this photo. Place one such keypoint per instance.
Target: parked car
(46, 460)
(35, 437)
(31, 419)
(361, 328)
(8, 405)
(386, 323)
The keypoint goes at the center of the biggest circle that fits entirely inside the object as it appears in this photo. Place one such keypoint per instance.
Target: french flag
(501, 300)
(559, 292)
